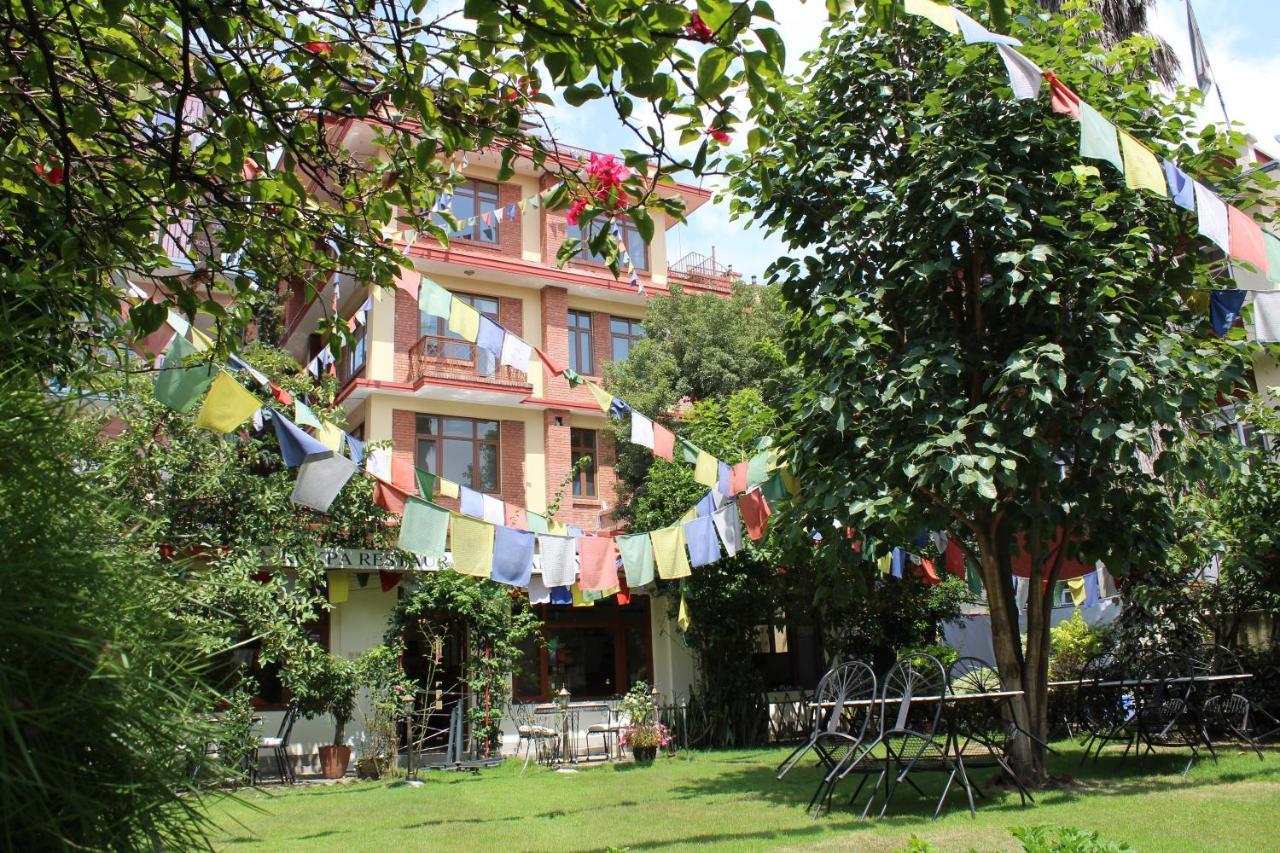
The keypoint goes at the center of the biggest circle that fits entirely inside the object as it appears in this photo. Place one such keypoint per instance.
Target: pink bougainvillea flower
(698, 29)
(721, 136)
(51, 174)
(320, 48)
(575, 210)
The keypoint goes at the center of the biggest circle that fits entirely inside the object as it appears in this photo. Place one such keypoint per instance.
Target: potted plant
(326, 684)
(643, 733)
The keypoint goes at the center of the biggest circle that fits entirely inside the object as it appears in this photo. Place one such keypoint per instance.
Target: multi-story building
(447, 407)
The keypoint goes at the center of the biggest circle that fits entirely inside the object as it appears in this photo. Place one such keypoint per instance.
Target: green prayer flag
(434, 300)
(1098, 138)
(537, 522)
(758, 469)
(637, 558)
(574, 377)
(689, 450)
(426, 483)
(774, 489)
(1058, 586)
(1273, 255)
(303, 416)
(975, 582)
(423, 528)
(178, 387)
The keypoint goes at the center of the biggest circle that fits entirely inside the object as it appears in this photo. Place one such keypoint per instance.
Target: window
(624, 334)
(352, 362)
(582, 445)
(450, 345)
(460, 449)
(580, 343)
(474, 198)
(631, 239)
(596, 652)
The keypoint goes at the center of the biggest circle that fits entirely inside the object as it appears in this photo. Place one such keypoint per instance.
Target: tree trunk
(1028, 674)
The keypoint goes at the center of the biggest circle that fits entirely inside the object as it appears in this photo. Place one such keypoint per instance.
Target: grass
(730, 801)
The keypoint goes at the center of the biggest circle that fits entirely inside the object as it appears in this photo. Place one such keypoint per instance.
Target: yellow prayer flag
(579, 600)
(669, 552)
(682, 620)
(941, 15)
(330, 436)
(885, 564)
(1078, 594)
(464, 320)
(690, 515)
(447, 488)
(603, 398)
(472, 545)
(707, 469)
(200, 340)
(1142, 171)
(227, 405)
(791, 482)
(339, 587)
(557, 528)
(613, 590)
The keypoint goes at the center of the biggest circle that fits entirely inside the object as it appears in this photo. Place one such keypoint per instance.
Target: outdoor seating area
(929, 719)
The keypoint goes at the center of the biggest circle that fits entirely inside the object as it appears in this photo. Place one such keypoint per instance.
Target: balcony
(704, 272)
(444, 357)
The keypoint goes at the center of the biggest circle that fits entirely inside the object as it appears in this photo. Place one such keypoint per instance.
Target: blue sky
(1242, 37)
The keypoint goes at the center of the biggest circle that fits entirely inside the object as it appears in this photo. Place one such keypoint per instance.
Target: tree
(993, 335)
(99, 690)
(220, 134)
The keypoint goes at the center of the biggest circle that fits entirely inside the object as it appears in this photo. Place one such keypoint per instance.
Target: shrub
(1071, 644)
(1063, 839)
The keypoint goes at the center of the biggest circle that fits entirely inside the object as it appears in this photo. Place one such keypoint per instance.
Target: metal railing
(454, 358)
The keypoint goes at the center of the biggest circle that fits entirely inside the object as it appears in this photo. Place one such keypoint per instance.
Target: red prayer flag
(389, 580)
(597, 563)
(515, 516)
(282, 396)
(955, 558)
(410, 282)
(1062, 99)
(738, 478)
(624, 591)
(1246, 239)
(664, 442)
(1021, 562)
(552, 365)
(388, 496)
(755, 513)
(930, 576)
(403, 475)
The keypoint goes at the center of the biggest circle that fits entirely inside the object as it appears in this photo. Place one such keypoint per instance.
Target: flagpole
(1200, 61)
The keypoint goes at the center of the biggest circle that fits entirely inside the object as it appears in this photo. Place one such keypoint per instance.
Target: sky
(1243, 42)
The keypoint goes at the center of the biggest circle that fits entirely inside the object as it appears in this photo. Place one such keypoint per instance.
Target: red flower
(320, 48)
(721, 136)
(698, 29)
(52, 174)
(575, 210)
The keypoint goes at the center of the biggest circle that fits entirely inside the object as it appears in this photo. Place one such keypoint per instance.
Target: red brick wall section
(601, 345)
(511, 314)
(511, 458)
(406, 334)
(579, 511)
(555, 339)
(556, 448)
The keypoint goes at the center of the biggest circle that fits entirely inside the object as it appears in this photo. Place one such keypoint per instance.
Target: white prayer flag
(515, 353)
(494, 510)
(378, 463)
(1024, 75)
(975, 33)
(729, 525)
(641, 430)
(1211, 216)
(320, 479)
(1266, 317)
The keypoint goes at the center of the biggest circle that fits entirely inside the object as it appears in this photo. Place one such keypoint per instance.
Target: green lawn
(730, 800)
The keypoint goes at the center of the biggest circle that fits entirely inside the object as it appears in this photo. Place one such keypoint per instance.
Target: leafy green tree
(229, 126)
(100, 691)
(993, 334)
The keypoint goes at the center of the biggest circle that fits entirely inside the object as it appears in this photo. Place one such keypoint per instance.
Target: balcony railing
(705, 271)
(453, 358)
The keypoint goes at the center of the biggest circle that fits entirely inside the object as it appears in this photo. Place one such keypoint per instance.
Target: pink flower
(698, 29)
(719, 135)
(575, 210)
(607, 170)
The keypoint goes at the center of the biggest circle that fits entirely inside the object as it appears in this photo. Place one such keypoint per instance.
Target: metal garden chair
(837, 727)
(279, 744)
(1105, 713)
(1223, 711)
(1165, 717)
(532, 735)
(983, 730)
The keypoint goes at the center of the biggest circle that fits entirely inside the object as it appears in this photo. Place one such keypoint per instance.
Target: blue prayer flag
(355, 449)
(489, 337)
(1091, 590)
(1224, 308)
(704, 545)
(1181, 188)
(561, 595)
(512, 556)
(295, 445)
(472, 502)
(706, 505)
(723, 473)
(898, 563)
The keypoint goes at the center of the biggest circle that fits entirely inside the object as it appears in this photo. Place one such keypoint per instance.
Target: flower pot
(334, 760)
(644, 754)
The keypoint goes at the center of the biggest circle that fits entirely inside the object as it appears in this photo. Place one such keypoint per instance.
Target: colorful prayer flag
(1246, 239)
(489, 337)
(424, 528)
(603, 398)
(303, 416)
(1212, 217)
(448, 488)
(1142, 169)
(178, 387)
(755, 513)
(512, 556)
(434, 300)
(330, 436)
(706, 469)
(975, 33)
(1273, 255)
(637, 558)
(1098, 138)
(704, 545)
(471, 502)
(641, 430)
(559, 559)
(227, 405)
(320, 479)
(494, 510)
(669, 552)
(941, 16)
(683, 619)
(472, 545)
(426, 483)
(515, 353)
(389, 497)
(1181, 188)
(536, 522)
(1025, 77)
(729, 525)
(410, 282)
(598, 563)
(339, 587)
(464, 320)
(663, 442)
(1224, 308)
(295, 445)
